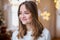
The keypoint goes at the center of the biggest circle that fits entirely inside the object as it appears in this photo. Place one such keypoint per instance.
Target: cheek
(29, 18)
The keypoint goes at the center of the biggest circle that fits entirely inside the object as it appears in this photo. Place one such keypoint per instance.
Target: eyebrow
(24, 11)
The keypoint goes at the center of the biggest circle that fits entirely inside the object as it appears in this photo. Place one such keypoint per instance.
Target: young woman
(30, 27)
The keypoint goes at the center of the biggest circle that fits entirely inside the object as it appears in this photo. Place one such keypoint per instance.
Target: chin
(24, 23)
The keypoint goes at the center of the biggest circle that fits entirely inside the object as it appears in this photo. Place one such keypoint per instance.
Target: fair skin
(25, 17)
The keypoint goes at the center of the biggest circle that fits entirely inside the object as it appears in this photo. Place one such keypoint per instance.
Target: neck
(29, 27)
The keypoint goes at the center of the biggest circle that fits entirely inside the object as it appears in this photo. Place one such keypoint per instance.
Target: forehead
(23, 7)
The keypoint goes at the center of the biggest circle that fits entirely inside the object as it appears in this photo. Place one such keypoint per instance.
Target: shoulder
(14, 35)
(46, 31)
(45, 35)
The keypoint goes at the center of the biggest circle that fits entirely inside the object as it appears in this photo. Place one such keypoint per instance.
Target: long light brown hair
(38, 27)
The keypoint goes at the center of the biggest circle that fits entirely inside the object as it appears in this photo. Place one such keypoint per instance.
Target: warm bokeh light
(57, 4)
(13, 2)
(38, 1)
(45, 15)
(55, 1)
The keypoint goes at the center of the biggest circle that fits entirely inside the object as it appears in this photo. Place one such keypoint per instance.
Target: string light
(55, 1)
(57, 5)
(45, 15)
(38, 1)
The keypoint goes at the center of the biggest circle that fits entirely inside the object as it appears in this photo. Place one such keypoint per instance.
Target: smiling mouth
(24, 19)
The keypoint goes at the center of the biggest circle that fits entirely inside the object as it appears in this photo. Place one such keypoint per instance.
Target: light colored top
(45, 35)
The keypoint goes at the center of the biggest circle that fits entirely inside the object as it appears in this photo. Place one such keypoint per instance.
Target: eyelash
(26, 13)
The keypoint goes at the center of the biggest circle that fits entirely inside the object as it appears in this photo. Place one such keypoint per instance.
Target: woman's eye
(26, 13)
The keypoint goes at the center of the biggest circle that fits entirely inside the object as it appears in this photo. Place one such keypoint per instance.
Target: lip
(24, 19)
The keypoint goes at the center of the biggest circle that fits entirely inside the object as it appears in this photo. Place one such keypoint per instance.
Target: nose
(23, 15)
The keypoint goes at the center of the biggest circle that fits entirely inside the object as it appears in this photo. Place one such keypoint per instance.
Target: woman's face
(25, 15)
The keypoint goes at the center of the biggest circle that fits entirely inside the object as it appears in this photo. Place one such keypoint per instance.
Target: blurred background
(48, 12)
